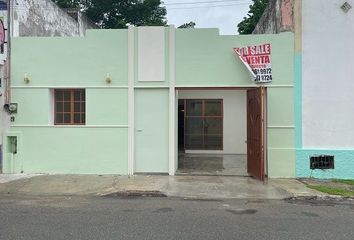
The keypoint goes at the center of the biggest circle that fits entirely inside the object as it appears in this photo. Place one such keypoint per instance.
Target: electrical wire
(237, 3)
(209, 6)
(201, 2)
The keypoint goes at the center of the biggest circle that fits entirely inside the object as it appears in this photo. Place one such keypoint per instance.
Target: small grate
(322, 162)
(346, 7)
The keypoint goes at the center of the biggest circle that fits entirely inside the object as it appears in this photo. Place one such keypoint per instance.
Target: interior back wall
(235, 132)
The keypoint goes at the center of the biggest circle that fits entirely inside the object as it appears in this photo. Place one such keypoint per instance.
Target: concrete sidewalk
(203, 187)
(4, 178)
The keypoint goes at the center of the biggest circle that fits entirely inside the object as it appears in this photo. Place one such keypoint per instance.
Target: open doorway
(219, 131)
(212, 132)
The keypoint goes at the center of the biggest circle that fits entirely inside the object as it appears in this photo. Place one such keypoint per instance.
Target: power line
(210, 6)
(201, 2)
(238, 3)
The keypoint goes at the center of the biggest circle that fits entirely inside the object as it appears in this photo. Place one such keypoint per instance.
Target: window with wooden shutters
(69, 106)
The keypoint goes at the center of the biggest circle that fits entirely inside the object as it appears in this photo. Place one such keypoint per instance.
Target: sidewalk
(202, 187)
(4, 178)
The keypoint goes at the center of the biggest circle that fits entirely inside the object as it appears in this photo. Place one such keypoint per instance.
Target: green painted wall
(33, 106)
(107, 106)
(72, 61)
(203, 58)
(71, 150)
(98, 147)
(281, 132)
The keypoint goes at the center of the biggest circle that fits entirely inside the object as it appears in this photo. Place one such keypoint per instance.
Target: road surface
(103, 218)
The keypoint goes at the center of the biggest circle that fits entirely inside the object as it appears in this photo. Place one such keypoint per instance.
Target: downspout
(8, 60)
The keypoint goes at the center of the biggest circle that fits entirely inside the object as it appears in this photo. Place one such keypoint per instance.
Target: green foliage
(345, 181)
(254, 14)
(332, 190)
(120, 13)
(188, 25)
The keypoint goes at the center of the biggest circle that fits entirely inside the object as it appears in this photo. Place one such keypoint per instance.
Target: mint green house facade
(131, 81)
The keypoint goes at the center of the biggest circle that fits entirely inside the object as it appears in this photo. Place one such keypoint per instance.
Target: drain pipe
(8, 60)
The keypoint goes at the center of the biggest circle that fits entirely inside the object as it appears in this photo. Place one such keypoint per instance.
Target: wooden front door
(255, 132)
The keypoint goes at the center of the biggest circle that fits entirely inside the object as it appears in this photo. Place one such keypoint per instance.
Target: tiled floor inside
(212, 164)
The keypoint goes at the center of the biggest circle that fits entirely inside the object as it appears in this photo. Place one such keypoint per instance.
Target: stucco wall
(98, 147)
(327, 111)
(44, 18)
(277, 17)
(37, 18)
(199, 58)
(327, 89)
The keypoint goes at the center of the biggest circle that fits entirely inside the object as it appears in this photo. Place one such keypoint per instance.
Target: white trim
(206, 152)
(281, 127)
(71, 126)
(137, 87)
(63, 87)
(172, 102)
(234, 86)
(51, 112)
(271, 148)
(131, 120)
(265, 132)
(279, 86)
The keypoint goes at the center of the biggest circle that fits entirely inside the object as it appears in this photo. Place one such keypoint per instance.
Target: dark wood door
(255, 132)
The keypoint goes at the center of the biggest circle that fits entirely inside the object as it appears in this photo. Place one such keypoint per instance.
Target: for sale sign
(257, 60)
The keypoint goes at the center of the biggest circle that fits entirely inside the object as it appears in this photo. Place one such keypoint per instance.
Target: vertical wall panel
(151, 54)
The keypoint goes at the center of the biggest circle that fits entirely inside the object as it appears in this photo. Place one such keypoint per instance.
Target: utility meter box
(12, 144)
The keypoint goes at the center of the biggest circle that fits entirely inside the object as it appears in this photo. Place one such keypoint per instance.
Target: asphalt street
(102, 218)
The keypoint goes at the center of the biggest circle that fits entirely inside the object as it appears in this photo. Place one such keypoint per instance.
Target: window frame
(72, 108)
(203, 117)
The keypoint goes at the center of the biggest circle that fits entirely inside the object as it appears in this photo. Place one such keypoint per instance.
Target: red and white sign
(2, 33)
(257, 60)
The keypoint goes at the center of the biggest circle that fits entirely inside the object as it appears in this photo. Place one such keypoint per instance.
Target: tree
(249, 23)
(188, 25)
(120, 13)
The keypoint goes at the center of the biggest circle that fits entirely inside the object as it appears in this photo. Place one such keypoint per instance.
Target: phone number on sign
(262, 71)
(264, 78)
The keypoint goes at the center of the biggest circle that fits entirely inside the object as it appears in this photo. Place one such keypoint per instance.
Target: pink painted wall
(286, 14)
(278, 17)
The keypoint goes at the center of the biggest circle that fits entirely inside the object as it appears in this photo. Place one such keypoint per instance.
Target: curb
(135, 193)
(320, 198)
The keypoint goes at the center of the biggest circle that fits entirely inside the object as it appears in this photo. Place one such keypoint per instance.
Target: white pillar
(131, 120)
(172, 102)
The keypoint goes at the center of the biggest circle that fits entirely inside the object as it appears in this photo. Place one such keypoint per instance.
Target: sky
(222, 14)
